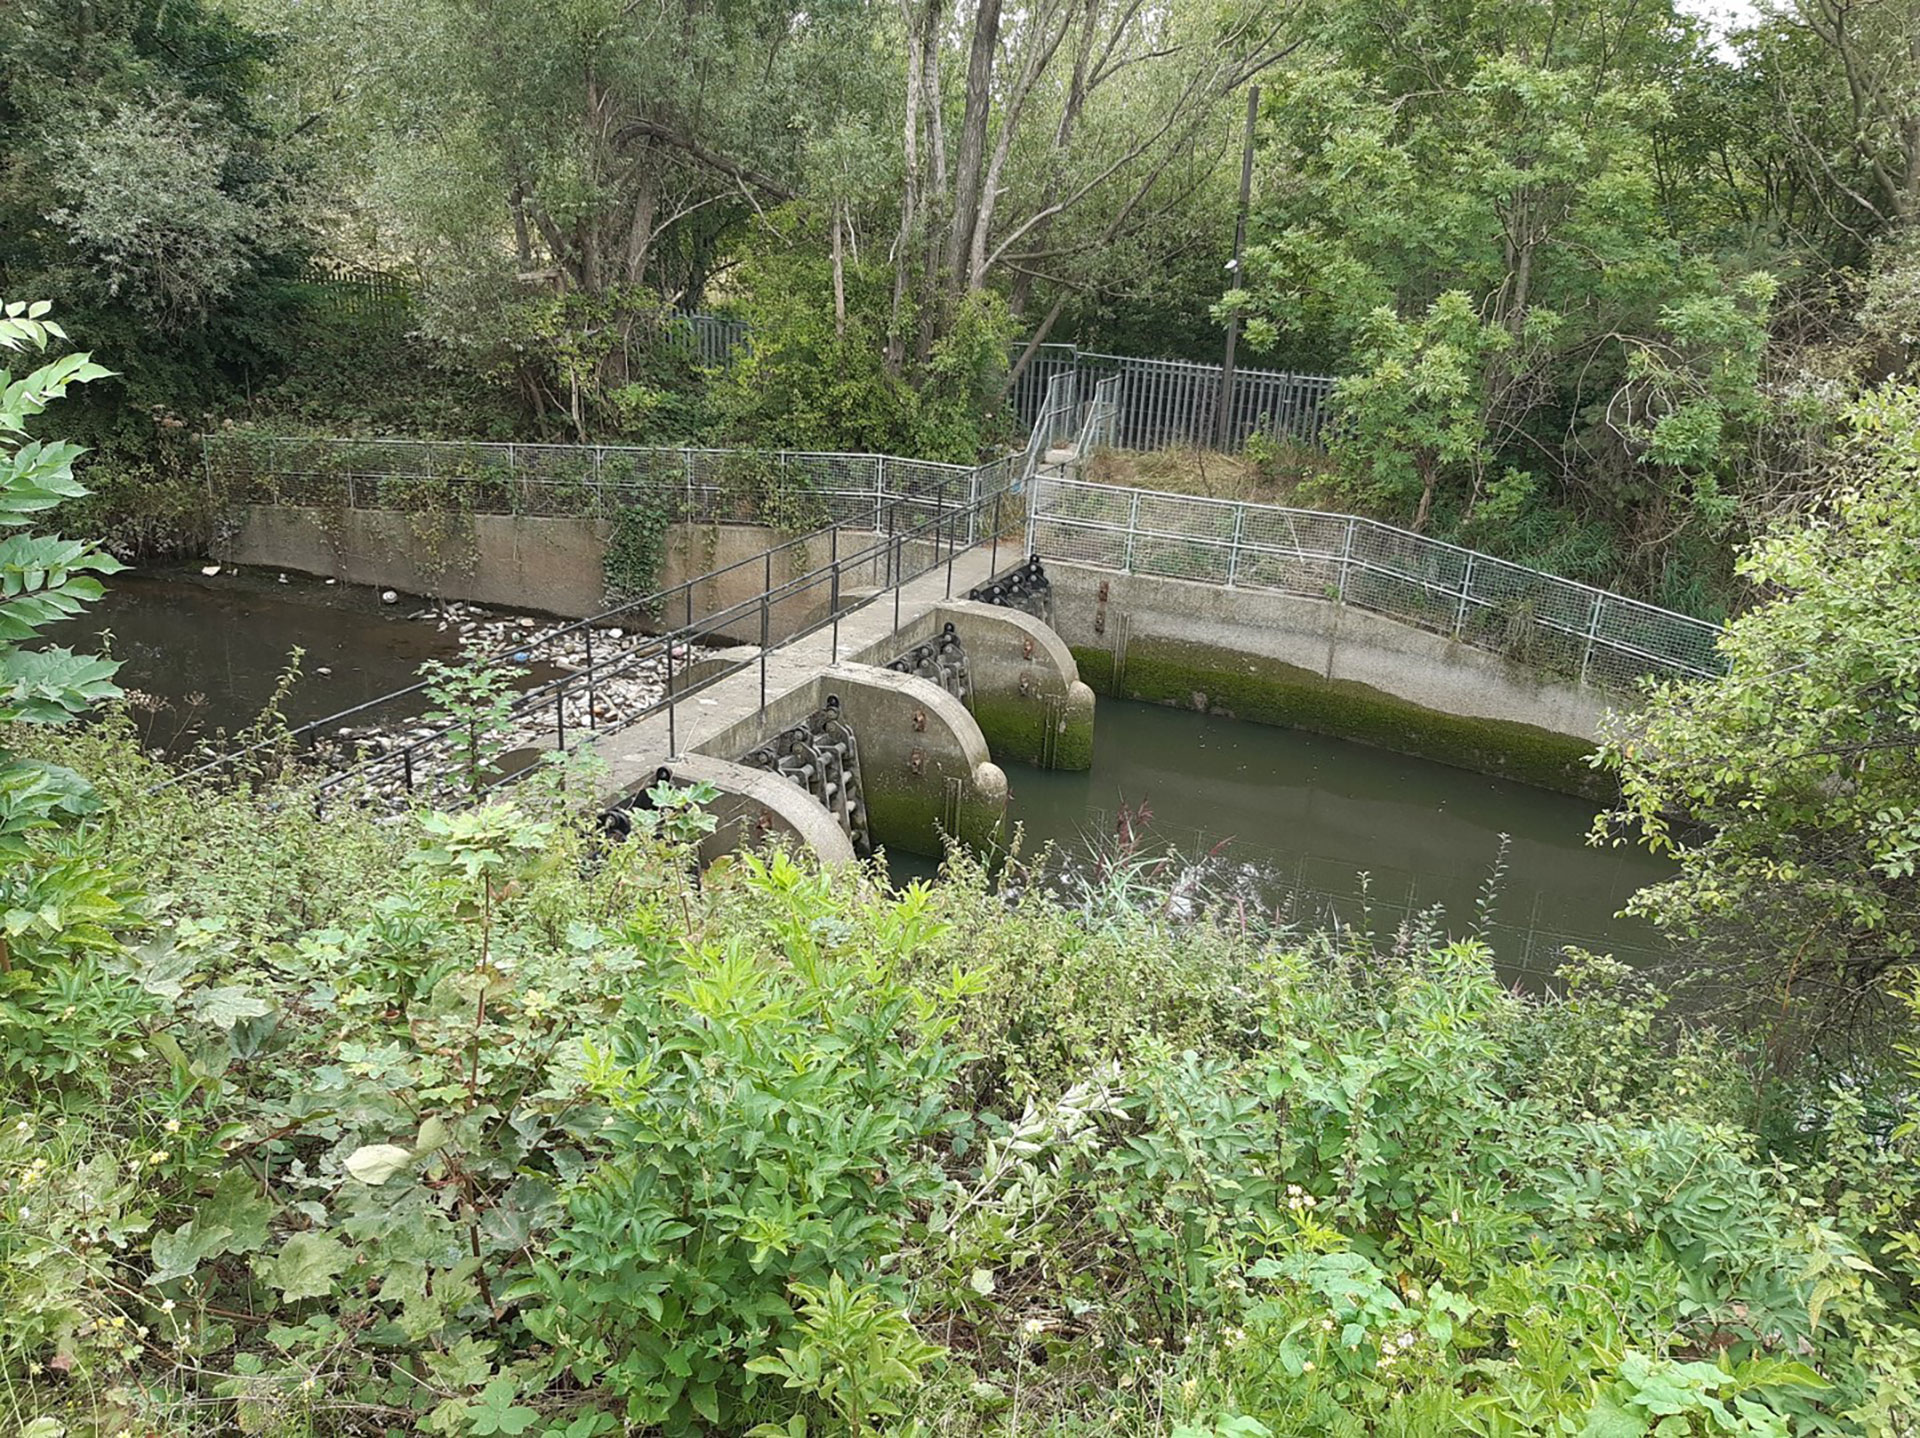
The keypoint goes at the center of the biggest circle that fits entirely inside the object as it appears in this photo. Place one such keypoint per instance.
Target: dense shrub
(475, 1126)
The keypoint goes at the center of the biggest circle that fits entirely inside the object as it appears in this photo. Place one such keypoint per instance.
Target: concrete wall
(553, 565)
(1027, 695)
(925, 769)
(1313, 664)
(756, 808)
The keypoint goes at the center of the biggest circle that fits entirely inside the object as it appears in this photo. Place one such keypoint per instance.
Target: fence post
(1233, 554)
(1593, 636)
(879, 488)
(1346, 558)
(1466, 588)
(1133, 528)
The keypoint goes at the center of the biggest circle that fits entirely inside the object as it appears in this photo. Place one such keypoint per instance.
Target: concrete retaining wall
(553, 565)
(1312, 664)
(556, 566)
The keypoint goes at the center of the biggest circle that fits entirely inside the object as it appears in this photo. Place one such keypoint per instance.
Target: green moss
(911, 817)
(1268, 691)
(1017, 730)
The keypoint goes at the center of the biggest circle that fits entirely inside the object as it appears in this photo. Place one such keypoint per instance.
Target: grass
(1189, 469)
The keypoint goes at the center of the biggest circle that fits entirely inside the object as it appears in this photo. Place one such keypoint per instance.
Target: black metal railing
(413, 758)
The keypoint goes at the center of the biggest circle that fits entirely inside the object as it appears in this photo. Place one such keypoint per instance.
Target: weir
(878, 668)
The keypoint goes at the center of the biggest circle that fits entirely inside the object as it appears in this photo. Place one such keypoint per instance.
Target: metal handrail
(952, 527)
(1233, 540)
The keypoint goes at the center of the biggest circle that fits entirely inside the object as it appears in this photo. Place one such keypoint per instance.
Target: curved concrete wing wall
(1027, 694)
(924, 763)
(756, 806)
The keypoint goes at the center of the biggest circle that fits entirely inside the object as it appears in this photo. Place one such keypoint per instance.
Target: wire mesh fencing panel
(1294, 551)
(1550, 625)
(785, 488)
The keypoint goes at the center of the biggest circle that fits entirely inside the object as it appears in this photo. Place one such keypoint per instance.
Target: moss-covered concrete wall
(1027, 696)
(1311, 664)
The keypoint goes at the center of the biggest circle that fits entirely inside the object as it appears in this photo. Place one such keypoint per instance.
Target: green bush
(476, 1125)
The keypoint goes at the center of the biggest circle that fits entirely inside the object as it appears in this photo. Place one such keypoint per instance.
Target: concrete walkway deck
(867, 636)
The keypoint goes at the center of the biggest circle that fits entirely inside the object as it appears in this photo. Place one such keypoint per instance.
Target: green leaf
(494, 1411)
(306, 1266)
(375, 1163)
(226, 1006)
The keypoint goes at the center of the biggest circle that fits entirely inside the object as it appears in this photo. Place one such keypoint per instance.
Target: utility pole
(1223, 411)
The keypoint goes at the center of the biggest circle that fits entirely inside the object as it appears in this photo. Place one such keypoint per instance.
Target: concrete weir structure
(926, 769)
(1314, 664)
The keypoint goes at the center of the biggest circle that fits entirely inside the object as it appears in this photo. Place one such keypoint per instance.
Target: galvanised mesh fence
(789, 488)
(1168, 402)
(1546, 623)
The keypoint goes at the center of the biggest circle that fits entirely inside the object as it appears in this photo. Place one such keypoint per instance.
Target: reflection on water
(210, 651)
(1288, 813)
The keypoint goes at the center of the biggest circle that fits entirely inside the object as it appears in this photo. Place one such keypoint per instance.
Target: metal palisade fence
(1173, 402)
(1547, 623)
(792, 488)
(1154, 402)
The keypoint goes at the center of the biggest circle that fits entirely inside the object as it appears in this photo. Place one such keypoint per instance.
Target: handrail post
(993, 561)
(1466, 588)
(673, 744)
(1346, 559)
(1593, 636)
(1133, 528)
(591, 722)
(899, 554)
(1233, 554)
(763, 645)
(948, 525)
(833, 596)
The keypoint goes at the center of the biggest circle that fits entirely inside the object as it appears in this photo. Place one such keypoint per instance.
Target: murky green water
(1291, 819)
(207, 653)
(1294, 814)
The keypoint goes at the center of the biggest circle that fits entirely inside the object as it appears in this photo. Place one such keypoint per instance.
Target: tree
(1414, 412)
(1788, 790)
(1082, 125)
(43, 578)
(1872, 82)
(1523, 158)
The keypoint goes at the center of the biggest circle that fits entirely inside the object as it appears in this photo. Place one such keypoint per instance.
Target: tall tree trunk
(839, 273)
(970, 159)
(903, 244)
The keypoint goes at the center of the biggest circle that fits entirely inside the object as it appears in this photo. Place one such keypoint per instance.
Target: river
(1277, 812)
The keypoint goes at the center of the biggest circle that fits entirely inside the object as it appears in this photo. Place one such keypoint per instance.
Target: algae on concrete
(1269, 691)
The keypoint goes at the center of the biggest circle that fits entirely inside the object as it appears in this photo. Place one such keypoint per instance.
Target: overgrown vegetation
(479, 1126)
(483, 1123)
(1599, 286)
